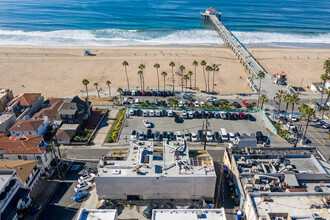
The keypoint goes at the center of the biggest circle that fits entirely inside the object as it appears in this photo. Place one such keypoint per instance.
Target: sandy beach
(59, 71)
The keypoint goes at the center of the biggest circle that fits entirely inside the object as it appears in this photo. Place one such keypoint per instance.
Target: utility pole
(206, 127)
(202, 133)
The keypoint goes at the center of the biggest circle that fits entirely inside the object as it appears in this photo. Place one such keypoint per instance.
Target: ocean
(259, 23)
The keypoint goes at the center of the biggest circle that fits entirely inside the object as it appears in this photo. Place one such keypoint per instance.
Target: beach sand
(59, 71)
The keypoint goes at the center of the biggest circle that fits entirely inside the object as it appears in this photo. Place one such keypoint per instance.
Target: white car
(86, 178)
(201, 103)
(216, 115)
(190, 114)
(184, 114)
(132, 112)
(187, 136)
(293, 118)
(325, 125)
(157, 113)
(223, 115)
(209, 137)
(231, 136)
(194, 137)
(145, 113)
(170, 113)
(180, 104)
(211, 99)
(83, 186)
(147, 123)
(178, 136)
(133, 135)
(196, 104)
(151, 113)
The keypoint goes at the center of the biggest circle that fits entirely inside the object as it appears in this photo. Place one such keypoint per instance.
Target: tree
(327, 92)
(308, 113)
(190, 73)
(301, 109)
(263, 99)
(203, 64)
(96, 85)
(172, 65)
(174, 102)
(108, 84)
(157, 66)
(324, 77)
(215, 68)
(261, 75)
(279, 95)
(294, 100)
(140, 73)
(286, 100)
(186, 77)
(125, 64)
(85, 82)
(142, 67)
(182, 68)
(208, 69)
(195, 64)
(119, 90)
(164, 74)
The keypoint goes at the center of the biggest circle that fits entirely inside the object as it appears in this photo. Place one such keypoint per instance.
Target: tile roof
(25, 145)
(25, 99)
(22, 167)
(52, 111)
(26, 125)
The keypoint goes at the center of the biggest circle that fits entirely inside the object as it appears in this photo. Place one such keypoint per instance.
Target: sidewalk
(105, 126)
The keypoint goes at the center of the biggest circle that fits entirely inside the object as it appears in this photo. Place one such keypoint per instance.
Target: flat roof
(4, 117)
(173, 160)
(188, 214)
(100, 214)
(5, 176)
(297, 206)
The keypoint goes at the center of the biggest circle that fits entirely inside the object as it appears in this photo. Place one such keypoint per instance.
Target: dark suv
(148, 211)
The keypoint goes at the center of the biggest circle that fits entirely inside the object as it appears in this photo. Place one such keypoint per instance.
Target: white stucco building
(145, 173)
(29, 127)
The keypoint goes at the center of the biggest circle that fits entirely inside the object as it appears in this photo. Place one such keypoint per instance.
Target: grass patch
(116, 126)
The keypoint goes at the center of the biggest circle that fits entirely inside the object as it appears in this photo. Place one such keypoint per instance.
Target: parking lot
(168, 124)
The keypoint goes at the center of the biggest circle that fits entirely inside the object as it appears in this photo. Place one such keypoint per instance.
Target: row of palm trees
(184, 77)
(85, 82)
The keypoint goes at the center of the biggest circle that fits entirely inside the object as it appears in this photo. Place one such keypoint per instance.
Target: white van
(223, 134)
(137, 101)
(145, 113)
(231, 136)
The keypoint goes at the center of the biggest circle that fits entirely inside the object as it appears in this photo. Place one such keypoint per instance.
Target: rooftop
(4, 117)
(100, 214)
(173, 160)
(22, 167)
(5, 176)
(188, 214)
(25, 145)
(26, 125)
(25, 99)
(298, 207)
(51, 109)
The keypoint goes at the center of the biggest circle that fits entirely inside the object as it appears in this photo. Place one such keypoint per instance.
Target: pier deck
(248, 61)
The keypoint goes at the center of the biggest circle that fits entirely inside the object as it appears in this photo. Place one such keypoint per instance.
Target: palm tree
(96, 85)
(294, 100)
(324, 78)
(125, 64)
(157, 66)
(215, 68)
(286, 100)
(172, 65)
(327, 92)
(208, 69)
(182, 68)
(308, 113)
(263, 99)
(203, 63)
(195, 64)
(141, 67)
(186, 77)
(119, 90)
(190, 73)
(261, 75)
(108, 84)
(164, 74)
(301, 109)
(279, 95)
(86, 82)
(140, 73)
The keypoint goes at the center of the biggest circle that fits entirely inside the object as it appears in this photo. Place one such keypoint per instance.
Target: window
(30, 133)
(45, 157)
(38, 158)
(70, 116)
(24, 157)
(19, 157)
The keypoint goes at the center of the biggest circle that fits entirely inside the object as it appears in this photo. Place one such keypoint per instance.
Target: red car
(244, 102)
(242, 115)
(143, 92)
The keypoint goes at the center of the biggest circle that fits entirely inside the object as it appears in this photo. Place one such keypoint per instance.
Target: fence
(270, 123)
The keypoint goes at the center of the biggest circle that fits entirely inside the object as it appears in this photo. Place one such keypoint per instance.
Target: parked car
(133, 135)
(181, 104)
(231, 136)
(223, 115)
(184, 114)
(170, 113)
(109, 204)
(83, 186)
(178, 136)
(141, 135)
(217, 137)
(194, 137)
(209, 136)
(201, 135)
(80, 196)
(216, 114)
(242, 115)
(178, 119)
(230, 116)
(147, 123)
(145, 113)
(190, 114)
(164, 113)
(250, 117)
(149, 133)
(187, 136)
(316, 119)
(165, 134)
(86, 178)
(90, 170)
(235, 115)
(171, 136)
(293, 117)
(211, 98)
(151, 113)
(260, 137)
(196, 104)
(157, 136)
(326, 126)
(168, 205)
(132, 112)
(148, 211)
(197, 114)
(158, 114)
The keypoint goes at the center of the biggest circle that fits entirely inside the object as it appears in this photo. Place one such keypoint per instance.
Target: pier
(247, 60)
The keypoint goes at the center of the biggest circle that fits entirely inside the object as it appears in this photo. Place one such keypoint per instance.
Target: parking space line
(317, 134)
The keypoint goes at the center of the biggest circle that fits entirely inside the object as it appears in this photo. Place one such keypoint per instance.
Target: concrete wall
(8, 123)
(185, 187)
(36, 106)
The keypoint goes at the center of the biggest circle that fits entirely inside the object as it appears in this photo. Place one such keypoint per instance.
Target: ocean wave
(117, 37)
